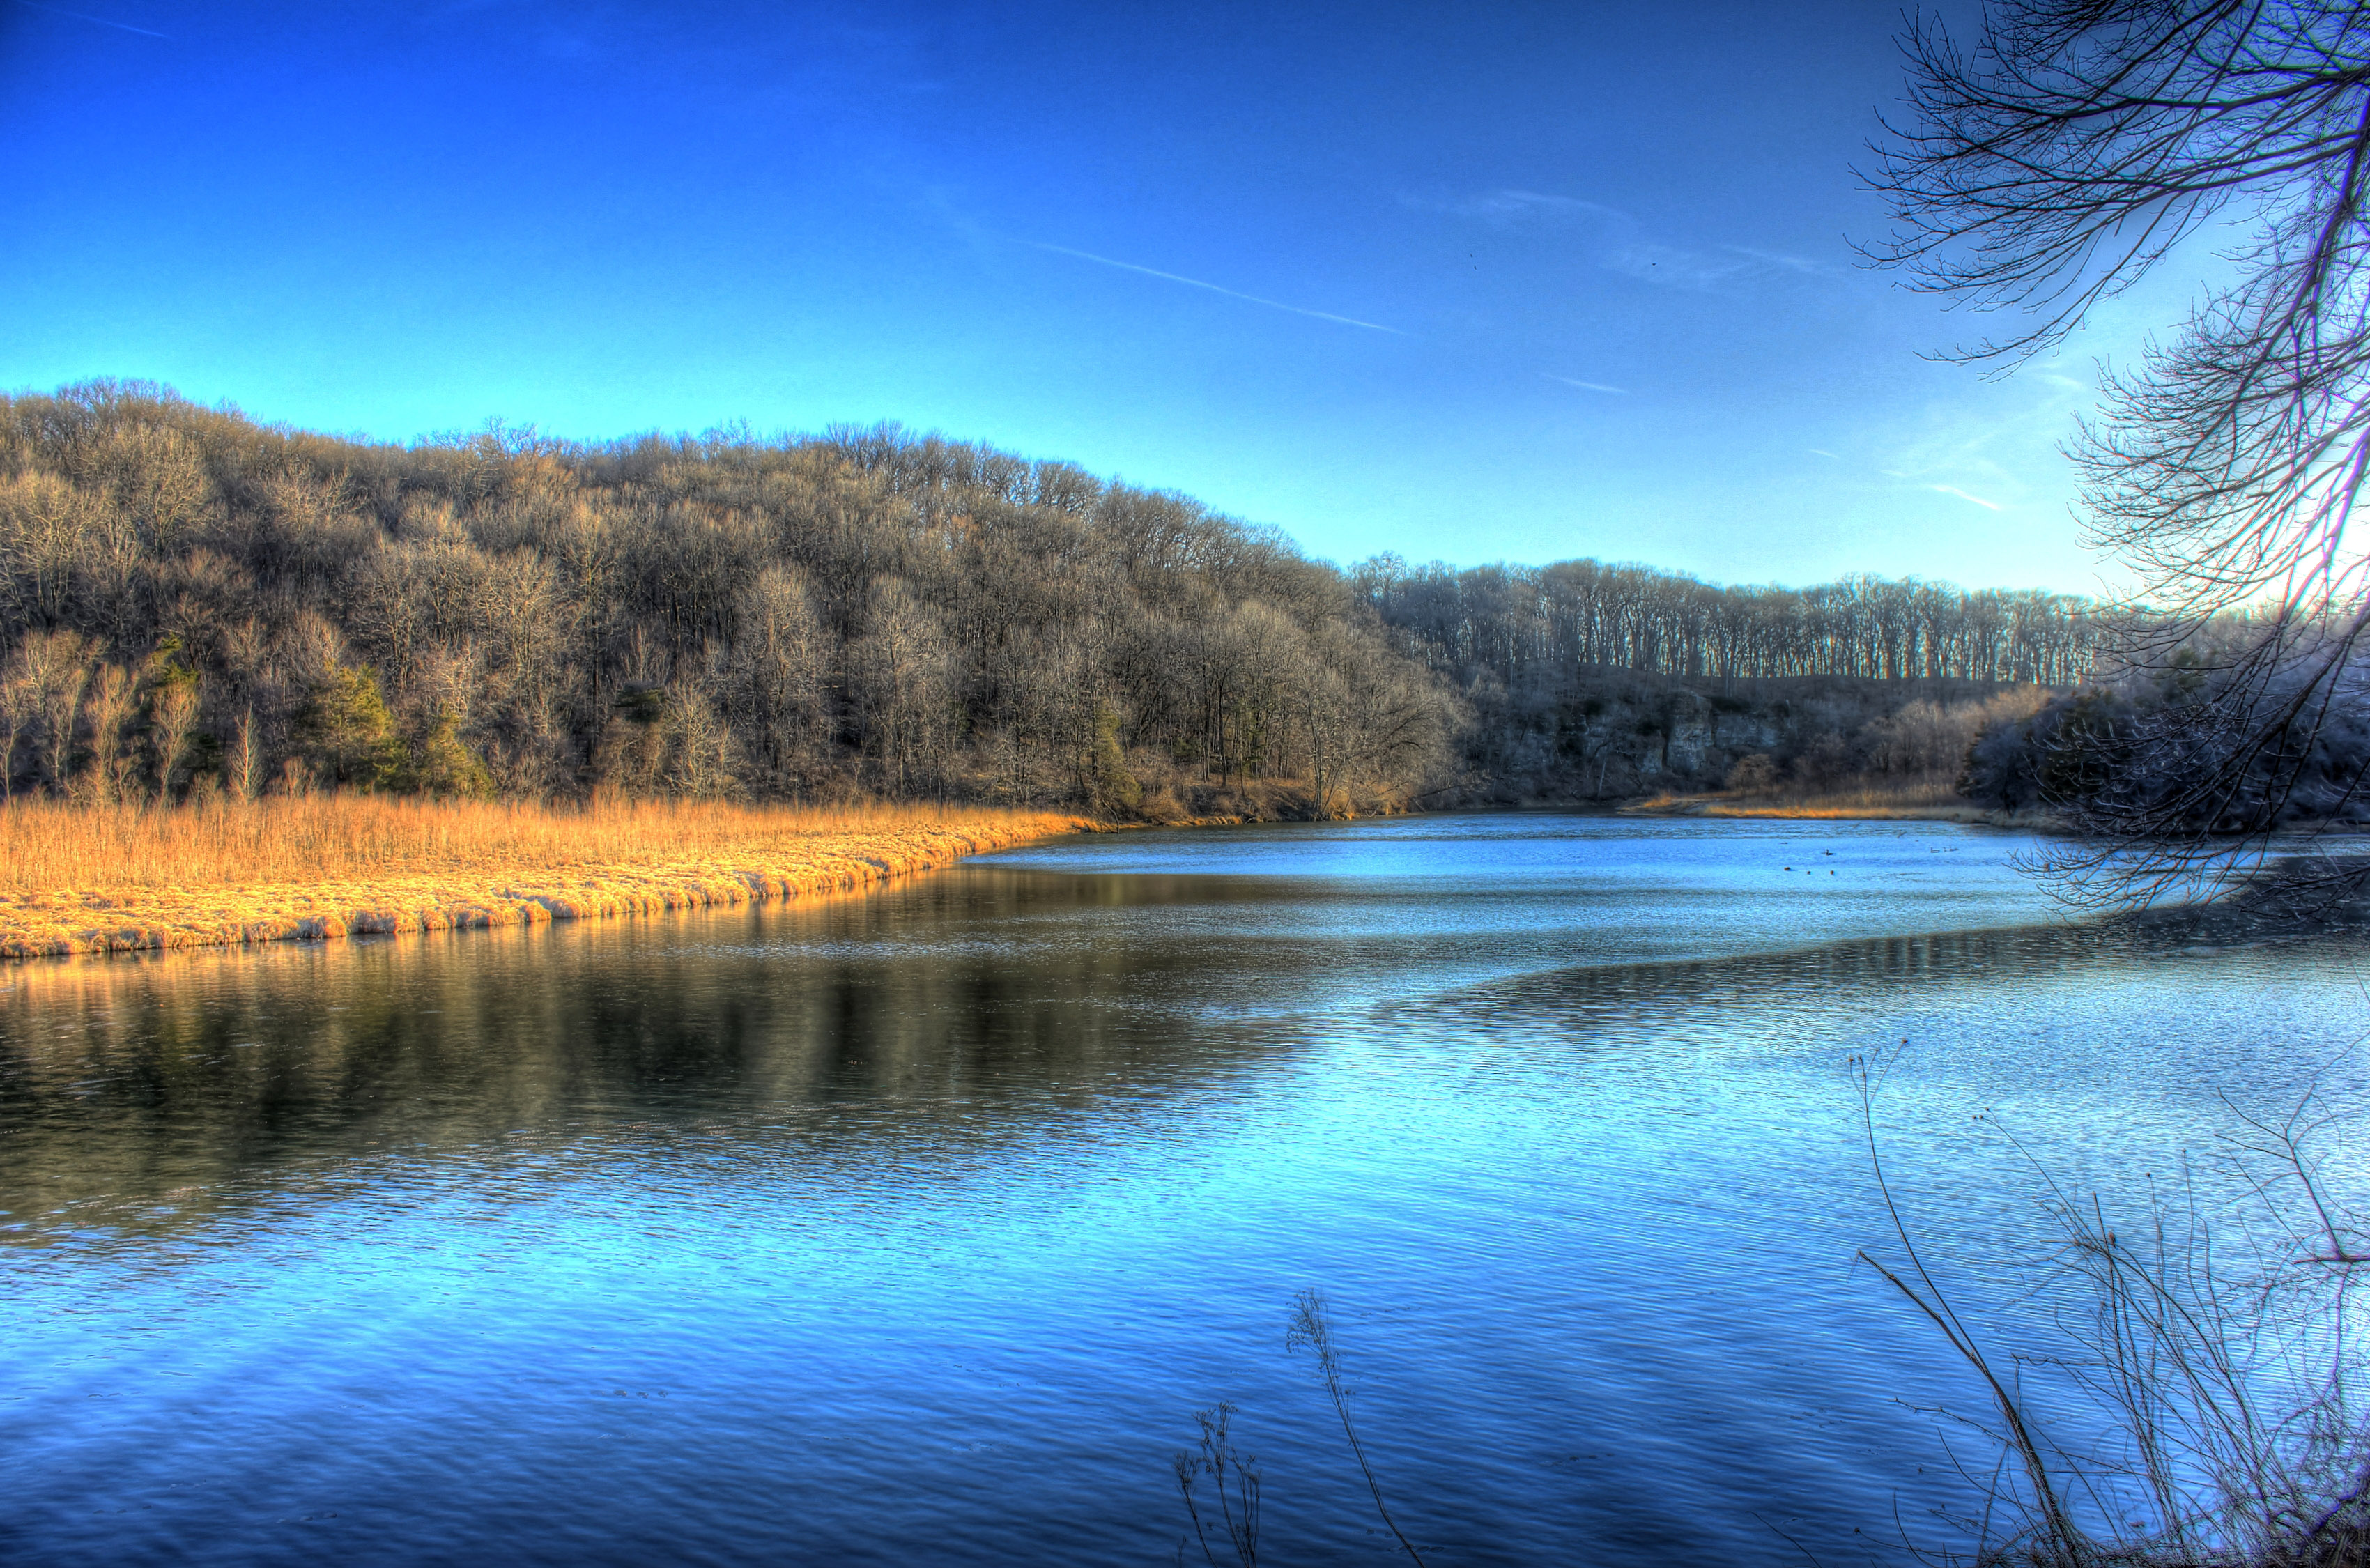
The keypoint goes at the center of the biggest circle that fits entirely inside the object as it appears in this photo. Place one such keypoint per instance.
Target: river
(914, 1226)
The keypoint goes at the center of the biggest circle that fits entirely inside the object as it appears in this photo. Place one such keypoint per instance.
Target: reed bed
(2210, 1334)
(1928, 799)
(99, 879)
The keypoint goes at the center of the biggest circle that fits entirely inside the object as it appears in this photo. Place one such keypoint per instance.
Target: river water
(916, 1227)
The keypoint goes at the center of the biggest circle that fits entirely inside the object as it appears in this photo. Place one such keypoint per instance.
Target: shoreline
(791, 861)
(1830, 808)
(753, 856)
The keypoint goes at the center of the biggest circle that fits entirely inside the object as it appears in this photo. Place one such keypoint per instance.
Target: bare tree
(107, 708)
(2051, 165)
(668, 614)
(900, 664)
(781, 660)
(243, 768)
(174, 712)
(57, 668)
(21, 712)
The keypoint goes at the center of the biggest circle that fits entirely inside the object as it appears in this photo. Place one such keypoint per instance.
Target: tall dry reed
(49, 846)
(83, 878)
(1234, 1475)
(2217, 1370)
(1933, 797)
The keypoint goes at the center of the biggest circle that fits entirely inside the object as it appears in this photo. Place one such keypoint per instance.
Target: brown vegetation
(1523, 622)
(1907, 763)
(193, 602)
(86, 878)
(1933, 798)
(1595, 681)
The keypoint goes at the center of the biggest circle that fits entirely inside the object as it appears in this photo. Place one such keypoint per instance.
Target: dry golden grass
(1929, 800)
(85, 878)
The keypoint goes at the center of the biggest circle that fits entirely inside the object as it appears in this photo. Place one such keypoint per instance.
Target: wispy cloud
(1996, 449)
(1617, 242)
(1962, 495)
(1801, 264)
(94, 21)
(1587, 385)
(1508, 205)
(1821, 452)
(1213, 288)
(1615, 238)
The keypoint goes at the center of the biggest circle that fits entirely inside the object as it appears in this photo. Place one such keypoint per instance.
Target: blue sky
(1472, 282)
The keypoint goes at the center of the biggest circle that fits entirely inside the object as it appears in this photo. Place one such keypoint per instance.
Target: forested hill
(1586, 680)
(191, 601)
(1516, 620)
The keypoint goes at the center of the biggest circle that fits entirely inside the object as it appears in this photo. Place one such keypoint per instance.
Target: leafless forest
(196, 601)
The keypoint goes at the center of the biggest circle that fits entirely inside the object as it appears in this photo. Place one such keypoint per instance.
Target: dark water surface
(913, 1228)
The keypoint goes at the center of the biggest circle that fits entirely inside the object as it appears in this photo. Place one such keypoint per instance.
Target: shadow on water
(1926, 962)
(917, 1027)
(801, 1232)
(909, 1025)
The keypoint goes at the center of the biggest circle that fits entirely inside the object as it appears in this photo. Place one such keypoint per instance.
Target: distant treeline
(1520, 621)
(1582, 680)
(191, 601)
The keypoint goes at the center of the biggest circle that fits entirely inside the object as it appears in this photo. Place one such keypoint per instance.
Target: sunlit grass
(80, 878)
(1929, 799)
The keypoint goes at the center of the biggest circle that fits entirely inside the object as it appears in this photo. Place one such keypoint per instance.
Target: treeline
(1520, 622)
(1598, 682)
(2244, 730)
(193, 601)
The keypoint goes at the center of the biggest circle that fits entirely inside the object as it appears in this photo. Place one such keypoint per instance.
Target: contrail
(1587, 385)
(95, 21)
(1962, 495)
(1213, 288)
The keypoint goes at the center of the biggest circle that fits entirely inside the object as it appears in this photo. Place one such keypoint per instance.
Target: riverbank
(1916, 802)
(117, 879)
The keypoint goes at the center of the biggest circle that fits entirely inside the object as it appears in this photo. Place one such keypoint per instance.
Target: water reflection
(124, 1082)
(915, 1224)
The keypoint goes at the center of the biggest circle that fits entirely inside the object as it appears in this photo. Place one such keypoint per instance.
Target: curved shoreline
(1866, 806)
(166, 918)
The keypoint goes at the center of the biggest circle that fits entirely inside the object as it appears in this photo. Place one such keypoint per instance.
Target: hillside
(193, 601)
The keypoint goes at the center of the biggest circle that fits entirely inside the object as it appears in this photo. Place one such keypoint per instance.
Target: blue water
(914, 1226)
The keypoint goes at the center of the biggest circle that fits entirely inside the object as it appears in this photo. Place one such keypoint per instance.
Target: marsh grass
(1234, 1481)
(1313, 1331)
(2218, 1383)
(1933, 798)
(1233, 1476)
(2192, 1397)
(97, 878)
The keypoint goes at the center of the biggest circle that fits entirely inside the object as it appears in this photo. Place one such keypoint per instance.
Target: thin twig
(1310, 1328)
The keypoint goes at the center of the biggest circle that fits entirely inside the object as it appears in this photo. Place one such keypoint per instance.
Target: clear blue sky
(1472, 282)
